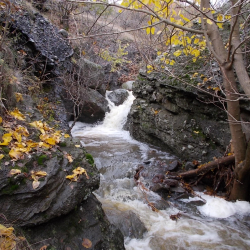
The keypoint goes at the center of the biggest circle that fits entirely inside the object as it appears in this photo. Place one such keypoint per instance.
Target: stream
(216, 225)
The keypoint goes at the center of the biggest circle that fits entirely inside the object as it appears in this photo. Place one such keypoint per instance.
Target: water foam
(219, 208)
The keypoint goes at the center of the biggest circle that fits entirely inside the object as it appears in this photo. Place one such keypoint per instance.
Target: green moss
(51, 248)
(41, 159)
(62, 144)
(198, 133)
(11, 187)
(90, 158)
(6, 150)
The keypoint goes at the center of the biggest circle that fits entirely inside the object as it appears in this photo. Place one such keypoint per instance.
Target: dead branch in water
(203, 169)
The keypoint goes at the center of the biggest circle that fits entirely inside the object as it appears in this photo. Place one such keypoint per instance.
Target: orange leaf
(86, 243)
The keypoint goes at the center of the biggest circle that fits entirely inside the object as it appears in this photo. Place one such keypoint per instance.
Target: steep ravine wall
(177, 118)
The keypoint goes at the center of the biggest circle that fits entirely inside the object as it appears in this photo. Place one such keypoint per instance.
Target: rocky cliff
(178, 118)
(51, 210)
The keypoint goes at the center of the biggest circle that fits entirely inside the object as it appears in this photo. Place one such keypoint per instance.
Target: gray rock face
(86, 221)
(118, 96)
(91, 74)
(95, 107)
(128, 85)
(44, 36)
(24, 206)
(41, 40)
(127, 221)
(173, 117)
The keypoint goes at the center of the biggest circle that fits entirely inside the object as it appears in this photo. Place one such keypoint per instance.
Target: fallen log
(203, 169)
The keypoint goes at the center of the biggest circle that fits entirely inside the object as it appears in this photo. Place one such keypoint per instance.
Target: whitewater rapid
(218, 224)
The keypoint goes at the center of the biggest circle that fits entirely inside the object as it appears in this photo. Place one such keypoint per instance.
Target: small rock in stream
(171, 182)
(172, 166)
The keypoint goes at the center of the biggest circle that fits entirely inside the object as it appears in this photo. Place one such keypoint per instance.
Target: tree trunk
(238, 61)
(241, 185)
(217, 48)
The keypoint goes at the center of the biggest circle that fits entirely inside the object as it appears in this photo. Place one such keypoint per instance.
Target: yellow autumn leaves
(17, 139)
(77, 173)
(35, 175)
(8, 241)
(19, 143)
(167, 11)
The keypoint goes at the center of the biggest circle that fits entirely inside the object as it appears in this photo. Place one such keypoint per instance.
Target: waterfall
(218, 224)
(117, 117)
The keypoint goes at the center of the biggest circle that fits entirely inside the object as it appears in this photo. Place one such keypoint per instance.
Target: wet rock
(24, 206)
(199, 188)
(118, 96)
(162, 204)
(160, 187)
(170, 115)
(189, 165)
(86, 221)
(94, 108)
(127, 221)
(172, 166)
(158, 178)
(128, 85)
(178, 189)
(171, 182)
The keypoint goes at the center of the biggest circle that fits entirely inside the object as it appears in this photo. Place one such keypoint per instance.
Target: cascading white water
(216, 225)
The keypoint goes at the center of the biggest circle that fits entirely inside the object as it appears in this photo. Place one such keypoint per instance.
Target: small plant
(41, 159)
(116, 59)
(90, 159)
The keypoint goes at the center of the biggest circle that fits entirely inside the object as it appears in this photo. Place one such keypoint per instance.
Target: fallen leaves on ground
(15, 171)
(36, 176)
(17, 114)
(68, 156)
(77, 173)
(7, 138)
(19, 97)
(17, 138)
(7, 241)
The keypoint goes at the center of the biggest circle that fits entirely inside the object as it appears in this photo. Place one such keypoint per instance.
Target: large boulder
(94, 108)
(91, 74)
(128, 85)
(118, 96)
(126, 220)
(93, 105)
(24, 206)
(84, 227)
(178, 118)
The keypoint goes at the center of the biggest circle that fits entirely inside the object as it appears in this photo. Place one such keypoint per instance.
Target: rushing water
(216, 225)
